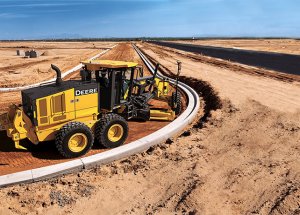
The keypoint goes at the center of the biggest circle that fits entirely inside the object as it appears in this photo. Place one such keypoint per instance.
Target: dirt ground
(241, 158)
(289, 46)
(12, 160)
(18, 71)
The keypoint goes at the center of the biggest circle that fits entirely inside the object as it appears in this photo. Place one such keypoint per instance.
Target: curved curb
(117, 153)
(74, 69)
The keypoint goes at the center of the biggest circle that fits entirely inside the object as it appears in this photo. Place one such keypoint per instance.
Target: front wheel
(111, 130)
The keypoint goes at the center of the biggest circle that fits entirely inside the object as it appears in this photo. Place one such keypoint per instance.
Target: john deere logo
(85, 92)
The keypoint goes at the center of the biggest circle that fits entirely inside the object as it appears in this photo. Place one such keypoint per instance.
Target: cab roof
(111, 64)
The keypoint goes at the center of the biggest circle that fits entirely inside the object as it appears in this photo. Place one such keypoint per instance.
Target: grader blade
(18, 126)
(162, 115)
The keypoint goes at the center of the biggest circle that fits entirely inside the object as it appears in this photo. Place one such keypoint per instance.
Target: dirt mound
(48, 53)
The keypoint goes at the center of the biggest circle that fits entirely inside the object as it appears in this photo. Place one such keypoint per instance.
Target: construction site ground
(19, 71)
(241, 156)
(13, 160)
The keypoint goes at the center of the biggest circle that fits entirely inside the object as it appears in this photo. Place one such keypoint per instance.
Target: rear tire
(176, 103)
(74, 139)
(111, 130)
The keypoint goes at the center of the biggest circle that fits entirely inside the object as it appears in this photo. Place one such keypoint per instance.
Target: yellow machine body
(49, 108)
(52, 113)
(57, 109)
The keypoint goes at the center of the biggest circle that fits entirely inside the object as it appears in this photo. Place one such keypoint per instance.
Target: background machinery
(74, 112)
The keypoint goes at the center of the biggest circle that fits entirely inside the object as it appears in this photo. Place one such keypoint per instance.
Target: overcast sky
(32, 19)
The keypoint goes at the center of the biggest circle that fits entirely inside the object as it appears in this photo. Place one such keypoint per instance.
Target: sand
(19, 71)
(242, 160)
(45, 154)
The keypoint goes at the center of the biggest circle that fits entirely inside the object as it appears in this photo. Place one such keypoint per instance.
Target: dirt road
(125, 52)
(243, 160)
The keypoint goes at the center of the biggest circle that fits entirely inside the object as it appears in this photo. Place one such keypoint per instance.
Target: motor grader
(73, 112)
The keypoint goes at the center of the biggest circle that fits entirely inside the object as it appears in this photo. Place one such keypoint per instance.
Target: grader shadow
(44, 150)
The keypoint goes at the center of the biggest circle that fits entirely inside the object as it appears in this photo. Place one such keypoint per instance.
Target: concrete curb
(16, 178)
(57, 169)
(74, 69)
(117, 153)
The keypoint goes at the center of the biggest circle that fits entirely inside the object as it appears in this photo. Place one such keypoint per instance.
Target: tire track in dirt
(284, 201)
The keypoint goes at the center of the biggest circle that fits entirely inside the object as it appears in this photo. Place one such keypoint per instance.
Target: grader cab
(74, 112)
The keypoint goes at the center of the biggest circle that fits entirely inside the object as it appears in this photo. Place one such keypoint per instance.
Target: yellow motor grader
(98, 105)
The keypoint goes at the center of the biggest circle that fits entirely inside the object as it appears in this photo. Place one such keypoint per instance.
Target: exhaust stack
(58, 75)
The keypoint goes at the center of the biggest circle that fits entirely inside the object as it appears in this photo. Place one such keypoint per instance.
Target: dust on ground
(45, 154)
(242, 160)
(19, 71)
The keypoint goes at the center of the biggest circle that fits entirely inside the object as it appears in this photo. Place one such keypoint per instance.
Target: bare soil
(288, 46)
(241, 157)
(12, 160)
(19, 71)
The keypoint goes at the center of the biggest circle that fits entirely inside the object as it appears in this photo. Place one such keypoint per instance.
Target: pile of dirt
(48, 53)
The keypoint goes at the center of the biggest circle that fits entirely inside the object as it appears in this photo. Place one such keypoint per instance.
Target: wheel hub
(115, 132)
(77, 142)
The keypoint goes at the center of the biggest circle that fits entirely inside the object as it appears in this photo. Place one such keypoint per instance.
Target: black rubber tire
(63, 135)
(103, 125)
(176, 103)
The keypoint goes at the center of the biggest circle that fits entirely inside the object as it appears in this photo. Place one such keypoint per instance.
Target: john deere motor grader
(73, 112)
